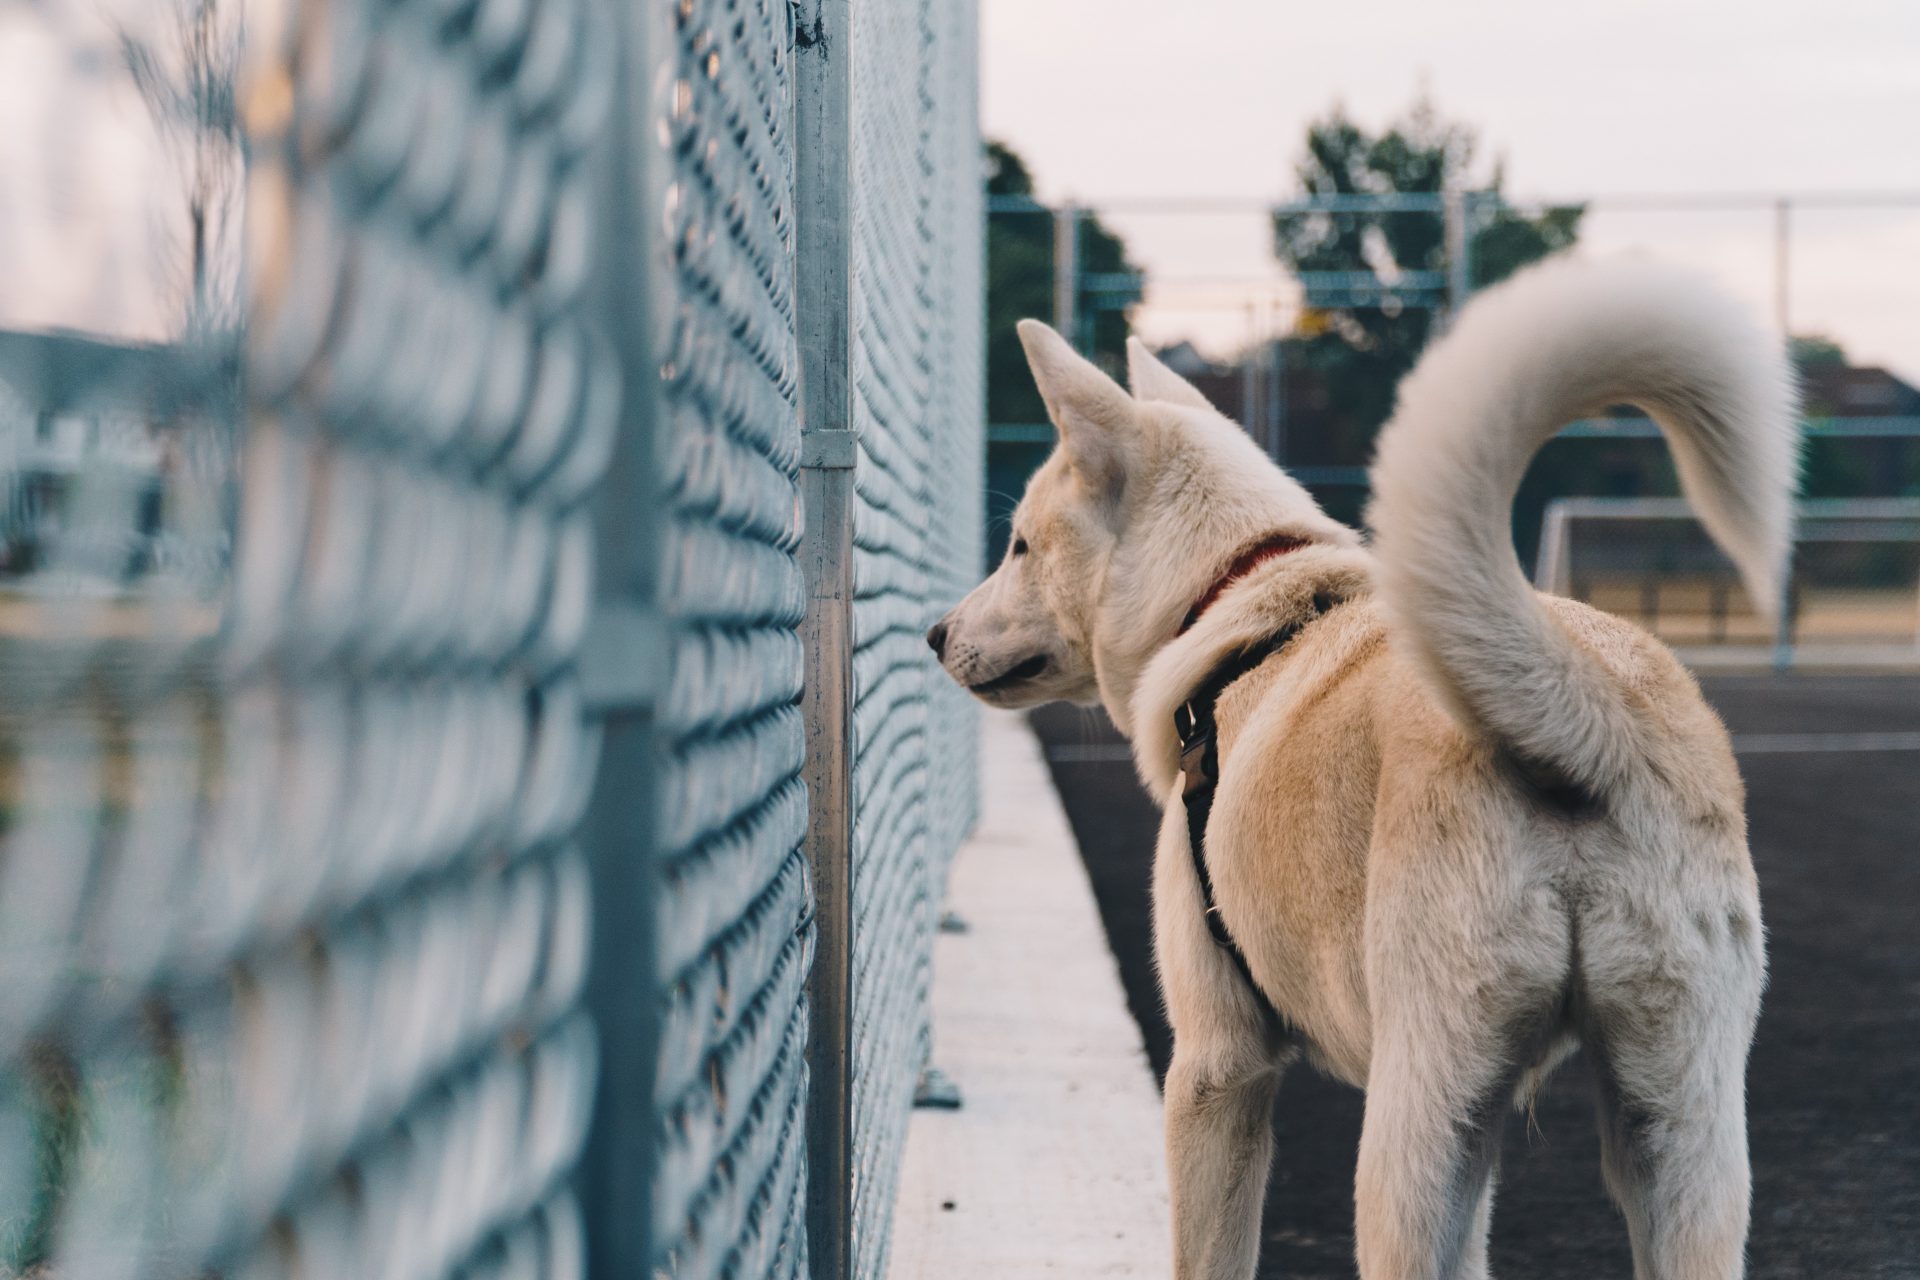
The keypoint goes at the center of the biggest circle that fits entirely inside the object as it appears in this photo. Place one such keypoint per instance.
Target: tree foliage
(1814, 350)
(1360, 353)
(1020, 285)
(184, 62)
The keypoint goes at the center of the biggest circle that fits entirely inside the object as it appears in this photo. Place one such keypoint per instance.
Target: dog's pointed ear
(1094, 415)
(1152, 380)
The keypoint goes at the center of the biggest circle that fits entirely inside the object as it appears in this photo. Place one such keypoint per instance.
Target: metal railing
(1253, 310)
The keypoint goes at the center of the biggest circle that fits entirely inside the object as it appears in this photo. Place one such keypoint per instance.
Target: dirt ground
(1833, 773)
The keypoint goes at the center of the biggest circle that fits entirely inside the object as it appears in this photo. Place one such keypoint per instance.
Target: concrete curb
(1053, 1166)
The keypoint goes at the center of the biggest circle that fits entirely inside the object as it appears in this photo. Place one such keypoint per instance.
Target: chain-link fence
(413, 676)
(913, 285)
(734, 940)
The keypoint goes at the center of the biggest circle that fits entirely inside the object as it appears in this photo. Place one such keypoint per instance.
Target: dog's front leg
(1219, 1147)
(1227, 1062)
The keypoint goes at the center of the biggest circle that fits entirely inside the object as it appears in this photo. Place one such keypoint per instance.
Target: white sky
(93, 190)
(1211, 98)
(84, 171)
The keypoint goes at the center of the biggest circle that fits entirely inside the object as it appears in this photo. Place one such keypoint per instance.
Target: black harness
(1193, 720)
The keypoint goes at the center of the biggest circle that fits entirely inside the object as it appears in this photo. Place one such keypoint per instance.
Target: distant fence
(1852, 595)
(475, 795)
(1796, 255)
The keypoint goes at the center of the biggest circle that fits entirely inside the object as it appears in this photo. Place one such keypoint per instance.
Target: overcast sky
(1146, 98)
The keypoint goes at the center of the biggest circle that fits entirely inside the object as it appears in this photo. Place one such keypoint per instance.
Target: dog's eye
(1019, 546)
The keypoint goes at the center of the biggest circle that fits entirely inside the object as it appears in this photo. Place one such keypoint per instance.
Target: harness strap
(1194, 722)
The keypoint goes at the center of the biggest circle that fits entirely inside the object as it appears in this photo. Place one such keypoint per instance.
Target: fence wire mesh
(308, 379)
(915, 291)
(735, 914)
(955, 412)
(295, 572)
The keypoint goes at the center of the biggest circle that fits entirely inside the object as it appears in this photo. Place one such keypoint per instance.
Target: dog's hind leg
(1467, 969)
(1473, 1260)
(1668, 1025)
(1424, 1191)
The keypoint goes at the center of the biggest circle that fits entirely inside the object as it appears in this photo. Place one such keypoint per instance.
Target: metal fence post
(1066, 272)
(1277, 395)
(1458, 228)
(823, 306)
(1782, 246)
(623, 671)
(1253, 410)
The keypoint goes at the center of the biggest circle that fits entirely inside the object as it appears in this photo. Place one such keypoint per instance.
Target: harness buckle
(1196, 741)
(1193, 767)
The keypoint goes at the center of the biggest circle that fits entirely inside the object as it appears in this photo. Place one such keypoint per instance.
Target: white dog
(1453, 829)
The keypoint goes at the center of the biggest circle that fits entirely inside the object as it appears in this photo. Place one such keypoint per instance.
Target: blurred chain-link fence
(411, 675)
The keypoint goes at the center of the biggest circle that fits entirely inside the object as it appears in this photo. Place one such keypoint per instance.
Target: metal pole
(1783, 631)
(823, 303)
(1276, 378)
(1250, 372)
(1459, 247)
(1469, 211)
(1783, 635)
(1066, 272)
(619, 833)
(1550, 571)
(1782, 235)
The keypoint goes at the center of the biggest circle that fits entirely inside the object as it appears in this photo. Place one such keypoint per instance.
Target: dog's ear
(1094, 416)
(1152, 380)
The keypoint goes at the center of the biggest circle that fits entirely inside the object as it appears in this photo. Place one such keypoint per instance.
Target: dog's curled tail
(1556, 343)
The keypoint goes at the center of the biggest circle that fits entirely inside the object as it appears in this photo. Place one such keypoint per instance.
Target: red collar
(1268, 548)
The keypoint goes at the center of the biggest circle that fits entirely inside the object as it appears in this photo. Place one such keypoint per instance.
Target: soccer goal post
(1852, 596)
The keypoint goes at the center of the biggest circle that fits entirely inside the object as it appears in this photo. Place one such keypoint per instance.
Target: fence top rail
(1896, 427)
(1606, 508)
(1893, 428)
(1435, 202)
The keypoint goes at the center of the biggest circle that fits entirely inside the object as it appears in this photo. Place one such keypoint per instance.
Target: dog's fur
(1461, 828)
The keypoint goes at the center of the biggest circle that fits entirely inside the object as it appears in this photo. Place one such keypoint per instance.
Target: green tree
(1360, 352)
(1838, 466)
(1815, 351)
(1020, 285)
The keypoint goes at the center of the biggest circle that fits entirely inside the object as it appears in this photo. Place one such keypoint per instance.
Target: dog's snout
(937, 639)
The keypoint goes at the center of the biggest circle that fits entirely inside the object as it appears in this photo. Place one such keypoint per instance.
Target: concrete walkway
(1053, 1165)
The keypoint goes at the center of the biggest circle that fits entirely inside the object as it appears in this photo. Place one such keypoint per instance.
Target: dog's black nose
(937, 639)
